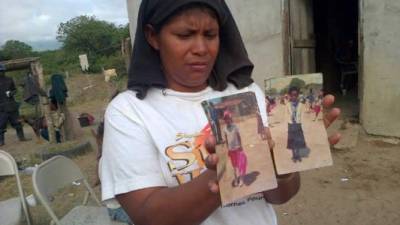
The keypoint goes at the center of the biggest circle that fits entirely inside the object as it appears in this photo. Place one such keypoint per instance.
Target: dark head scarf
(58, 91)
(232, 64)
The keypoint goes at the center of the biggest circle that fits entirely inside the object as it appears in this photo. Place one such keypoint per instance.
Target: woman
(185, 52)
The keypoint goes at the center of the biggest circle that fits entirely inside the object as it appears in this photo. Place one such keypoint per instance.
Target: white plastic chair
(10, 210)
(59, 172)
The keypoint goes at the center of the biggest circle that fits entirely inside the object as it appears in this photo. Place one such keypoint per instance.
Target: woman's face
(188, 46)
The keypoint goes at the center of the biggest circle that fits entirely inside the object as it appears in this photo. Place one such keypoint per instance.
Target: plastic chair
(348, 66)
(59, 172)
(10, 210)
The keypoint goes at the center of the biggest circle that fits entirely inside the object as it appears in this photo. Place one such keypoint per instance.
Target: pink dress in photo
(235, 150)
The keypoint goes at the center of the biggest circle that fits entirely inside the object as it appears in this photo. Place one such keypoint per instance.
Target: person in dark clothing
(8, 107)
(32, 89)
(59, 90)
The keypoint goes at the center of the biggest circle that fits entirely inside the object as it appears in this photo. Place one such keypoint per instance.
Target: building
(286, 37)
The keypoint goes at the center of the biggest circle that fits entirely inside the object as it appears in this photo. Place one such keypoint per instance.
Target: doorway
(336, 52)
(322, 36)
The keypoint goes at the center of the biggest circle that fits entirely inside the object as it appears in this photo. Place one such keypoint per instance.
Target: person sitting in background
(35, 123)
(115, 211)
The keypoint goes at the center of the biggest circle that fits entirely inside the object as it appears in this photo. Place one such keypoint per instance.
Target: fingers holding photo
(333, 114)
(330, 117)
(213, 186)
(334, 139)
(328, 101)
(210, 144)
(212, 161)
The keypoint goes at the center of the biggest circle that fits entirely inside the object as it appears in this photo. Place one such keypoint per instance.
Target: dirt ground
(361, 188)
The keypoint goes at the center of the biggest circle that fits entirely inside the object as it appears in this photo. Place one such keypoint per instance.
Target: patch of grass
(55, 148)
(69, 149)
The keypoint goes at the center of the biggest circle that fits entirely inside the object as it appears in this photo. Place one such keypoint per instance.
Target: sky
(35, 21)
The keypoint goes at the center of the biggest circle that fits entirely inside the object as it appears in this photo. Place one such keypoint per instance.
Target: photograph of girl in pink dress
(235, 150)
(245, 165)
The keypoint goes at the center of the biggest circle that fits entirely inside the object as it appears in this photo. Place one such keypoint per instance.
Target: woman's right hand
(211, 162)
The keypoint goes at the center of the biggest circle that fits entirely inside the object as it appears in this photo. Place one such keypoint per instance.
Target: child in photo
(235, 149)
(311, 100)
(318, 105)
(296, 141)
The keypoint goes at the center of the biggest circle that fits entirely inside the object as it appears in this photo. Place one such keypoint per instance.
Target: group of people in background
(9, 107)
(312, 100)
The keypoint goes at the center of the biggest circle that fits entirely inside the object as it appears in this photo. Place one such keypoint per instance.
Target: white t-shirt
(158, 141)
(232, 137)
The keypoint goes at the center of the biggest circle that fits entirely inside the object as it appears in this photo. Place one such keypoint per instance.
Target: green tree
(272, 92)
(2, 56)
(284, 90)
(296, 82)
(14, 49)
(123, 31)
(86, 34)
(58, 61)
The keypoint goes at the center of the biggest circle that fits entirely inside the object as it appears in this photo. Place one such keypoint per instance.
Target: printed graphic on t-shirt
(187, 160)
(187, 156)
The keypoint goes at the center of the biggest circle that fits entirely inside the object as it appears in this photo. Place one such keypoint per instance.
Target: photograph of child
(296, 123)
(245, 164)
(235, 149)
(296, 141)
